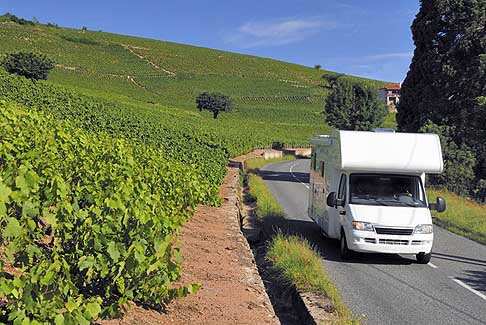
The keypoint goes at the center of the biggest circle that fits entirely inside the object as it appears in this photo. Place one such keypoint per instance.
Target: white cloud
(276, 32)
(395, 55)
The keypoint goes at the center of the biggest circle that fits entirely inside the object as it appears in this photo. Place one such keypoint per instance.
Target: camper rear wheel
(343, 247)
(423, 258)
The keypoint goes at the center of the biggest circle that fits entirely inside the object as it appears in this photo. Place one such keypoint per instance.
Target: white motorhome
(367, 190)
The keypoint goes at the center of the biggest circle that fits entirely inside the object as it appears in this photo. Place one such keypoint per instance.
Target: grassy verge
(292, 256)
(301, 265)
(258, 191)
(267, 205)
(253, 164)
(462, 216)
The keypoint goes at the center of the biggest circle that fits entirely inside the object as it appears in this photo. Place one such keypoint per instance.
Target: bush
(29, 65)
(86, 220)
(353, 106)
(18, 20)
(459, 161)
(214, 102)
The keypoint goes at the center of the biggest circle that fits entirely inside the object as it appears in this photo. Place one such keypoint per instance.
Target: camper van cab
(367, 189)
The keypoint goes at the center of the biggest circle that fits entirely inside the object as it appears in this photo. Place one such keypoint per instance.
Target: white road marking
(432, 265)
(462, 284)
(293, 175)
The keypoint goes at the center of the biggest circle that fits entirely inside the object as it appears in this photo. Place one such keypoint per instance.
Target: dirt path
(217, 255)
(140, 56)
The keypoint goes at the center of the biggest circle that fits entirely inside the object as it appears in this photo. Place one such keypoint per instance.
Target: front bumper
(370, 242)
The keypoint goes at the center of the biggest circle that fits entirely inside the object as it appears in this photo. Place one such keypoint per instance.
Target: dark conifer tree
(447, 76)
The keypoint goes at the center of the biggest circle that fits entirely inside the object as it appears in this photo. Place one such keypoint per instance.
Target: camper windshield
(391, 190)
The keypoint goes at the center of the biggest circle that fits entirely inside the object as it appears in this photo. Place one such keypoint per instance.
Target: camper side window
(322, 168)
(314, 161)
(342, 188)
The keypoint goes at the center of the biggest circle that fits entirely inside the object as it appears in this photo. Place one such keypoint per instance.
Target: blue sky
(369, 38)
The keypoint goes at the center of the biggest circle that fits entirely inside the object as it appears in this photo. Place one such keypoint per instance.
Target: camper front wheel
(423, 258)
(344, 250)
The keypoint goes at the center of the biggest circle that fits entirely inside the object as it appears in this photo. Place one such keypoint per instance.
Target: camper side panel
(325, 155)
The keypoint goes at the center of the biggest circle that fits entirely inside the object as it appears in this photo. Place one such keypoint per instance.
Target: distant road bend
(390, 288)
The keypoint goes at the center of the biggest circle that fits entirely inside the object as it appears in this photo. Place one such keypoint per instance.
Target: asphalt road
(389, 289)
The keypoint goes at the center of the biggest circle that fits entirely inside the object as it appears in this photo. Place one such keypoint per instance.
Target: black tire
(423, 258)
(346, 253)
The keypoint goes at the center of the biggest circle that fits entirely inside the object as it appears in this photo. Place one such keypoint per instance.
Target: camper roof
(387, 152)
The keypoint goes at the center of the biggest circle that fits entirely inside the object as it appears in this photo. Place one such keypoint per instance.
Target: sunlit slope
(164, 72)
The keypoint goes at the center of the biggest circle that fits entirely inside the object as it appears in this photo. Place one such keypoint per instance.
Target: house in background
(390, 94)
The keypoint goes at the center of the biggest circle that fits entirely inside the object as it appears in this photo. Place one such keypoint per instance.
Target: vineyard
(102, 163)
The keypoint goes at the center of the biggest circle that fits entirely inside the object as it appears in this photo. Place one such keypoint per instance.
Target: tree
(352, 106)
(317, 66)
(459, 160)
(446, 83)
(214, 102)
(27, 64)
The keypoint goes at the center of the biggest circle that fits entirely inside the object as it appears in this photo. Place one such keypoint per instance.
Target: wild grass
(462, 216)
(301, 265)
(267, 206)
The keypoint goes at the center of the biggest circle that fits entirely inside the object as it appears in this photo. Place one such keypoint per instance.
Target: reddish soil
(217, 256)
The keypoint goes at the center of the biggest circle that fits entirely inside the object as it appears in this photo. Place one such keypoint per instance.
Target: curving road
(390, 288)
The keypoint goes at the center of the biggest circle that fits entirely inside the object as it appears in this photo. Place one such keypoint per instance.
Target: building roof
(392, 87)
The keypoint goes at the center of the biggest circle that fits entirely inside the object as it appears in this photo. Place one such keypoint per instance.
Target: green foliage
(353, 106)
(134, 150)
(145, 72)
(301, 265)
(390, 121)
(447, 76)
(17, 20)
(87, 220)
(30, 65)
(332, 77)
(177, 140)
(267, 205)
(317, 66)
(459, 161)
(207, 142)
(214, 102)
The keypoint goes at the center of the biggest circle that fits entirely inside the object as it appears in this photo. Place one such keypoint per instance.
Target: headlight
(423, 229)
(364, 226)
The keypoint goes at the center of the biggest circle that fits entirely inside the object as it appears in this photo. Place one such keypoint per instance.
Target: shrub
(459, 161)
(86, 220)
(29, 65)
(17, 20)
(214, 102)
(353, 106)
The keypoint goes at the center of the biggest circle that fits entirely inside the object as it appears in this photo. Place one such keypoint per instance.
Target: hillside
(161, 75)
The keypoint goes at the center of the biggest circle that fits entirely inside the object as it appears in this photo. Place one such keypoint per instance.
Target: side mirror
(331, 200)
(439, 206)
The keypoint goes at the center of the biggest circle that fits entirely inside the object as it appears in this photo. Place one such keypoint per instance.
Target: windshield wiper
(399, 202)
